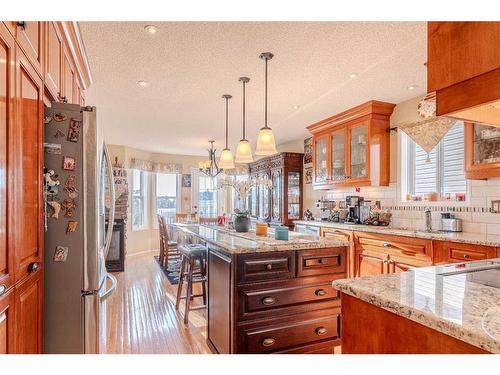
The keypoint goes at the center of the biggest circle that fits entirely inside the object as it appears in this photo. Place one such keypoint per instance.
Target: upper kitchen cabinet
(352, 147)
(67, 72)
(464, 70)
(30, 37)
(482, 151)
(53, 64)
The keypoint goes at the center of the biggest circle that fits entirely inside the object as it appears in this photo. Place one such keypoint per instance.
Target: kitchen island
(270, 296)
(445, 309)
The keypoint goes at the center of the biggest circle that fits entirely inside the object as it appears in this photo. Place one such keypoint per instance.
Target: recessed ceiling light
(151, 29)
(296, 106)
(353, 75)
(142, 83)
(412, 87)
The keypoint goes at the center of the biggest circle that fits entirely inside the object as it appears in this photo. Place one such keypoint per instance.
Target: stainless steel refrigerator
(79, 196)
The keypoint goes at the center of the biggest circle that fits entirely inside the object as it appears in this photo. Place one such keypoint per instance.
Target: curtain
(158, 167)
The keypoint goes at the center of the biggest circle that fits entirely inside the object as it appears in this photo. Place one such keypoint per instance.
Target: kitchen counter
(459, 305)
(462, 237)
(232, 242)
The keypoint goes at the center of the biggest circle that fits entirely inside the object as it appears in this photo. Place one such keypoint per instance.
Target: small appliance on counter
(325, 208)
(449, 223)
(354, 204)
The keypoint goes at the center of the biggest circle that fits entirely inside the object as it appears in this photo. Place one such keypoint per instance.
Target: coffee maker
(354, 204)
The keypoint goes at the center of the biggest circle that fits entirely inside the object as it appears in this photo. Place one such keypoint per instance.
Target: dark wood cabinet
(352, 147)
(275, 302)
(282, 204)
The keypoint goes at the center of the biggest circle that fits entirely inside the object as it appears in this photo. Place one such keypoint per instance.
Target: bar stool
(193, 256)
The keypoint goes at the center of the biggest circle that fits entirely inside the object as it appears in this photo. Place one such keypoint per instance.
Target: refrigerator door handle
(111, 290)
(111, 218)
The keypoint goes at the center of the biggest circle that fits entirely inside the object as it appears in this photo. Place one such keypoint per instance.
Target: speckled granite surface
(232, 242)
(459, 305)
(463, 237)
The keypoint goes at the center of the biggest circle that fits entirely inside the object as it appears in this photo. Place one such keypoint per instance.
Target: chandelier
(210, 167)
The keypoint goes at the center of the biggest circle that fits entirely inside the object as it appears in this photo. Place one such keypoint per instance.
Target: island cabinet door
(371, 264)
(219, 302)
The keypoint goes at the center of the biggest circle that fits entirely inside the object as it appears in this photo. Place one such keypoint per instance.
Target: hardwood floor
(141, 315)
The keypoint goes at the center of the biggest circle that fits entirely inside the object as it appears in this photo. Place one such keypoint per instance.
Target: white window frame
(404, 180)
(154, 197)
(144, 176)
(222, 202)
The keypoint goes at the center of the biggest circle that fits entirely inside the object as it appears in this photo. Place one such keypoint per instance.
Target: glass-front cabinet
(321, 160)
(482, 151)
(357, 151)
(281, 204)
(338, 155)
(348, 144)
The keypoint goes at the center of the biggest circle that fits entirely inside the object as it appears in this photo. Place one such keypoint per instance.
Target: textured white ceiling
(189, 65)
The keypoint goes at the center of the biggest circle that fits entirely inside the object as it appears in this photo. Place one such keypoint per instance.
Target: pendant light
(226, 157)
(244, 150)
(266, 144)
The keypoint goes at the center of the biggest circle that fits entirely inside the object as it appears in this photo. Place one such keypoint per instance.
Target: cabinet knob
(320, 292)
(33, 267)
(466, 256)
(268, 301)
(320, 331)
(21, 24)
(268, 341)
(269, 266)
(320, 260)
(3, 288)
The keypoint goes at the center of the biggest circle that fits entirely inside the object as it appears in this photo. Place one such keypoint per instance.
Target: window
(166, 195)
(441, 171)
(207, 196)
(139, 188)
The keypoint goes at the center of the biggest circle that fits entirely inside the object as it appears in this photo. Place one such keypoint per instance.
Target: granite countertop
(459, 305)
(233, 242)
(463, 237)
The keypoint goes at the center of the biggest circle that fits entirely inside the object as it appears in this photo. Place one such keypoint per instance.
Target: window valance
(152, 166)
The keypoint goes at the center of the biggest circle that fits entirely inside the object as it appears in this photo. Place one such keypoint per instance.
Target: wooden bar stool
(193, 270)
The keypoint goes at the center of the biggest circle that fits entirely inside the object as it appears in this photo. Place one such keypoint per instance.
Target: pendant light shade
(244, 149)
(266, 145)
(226, 157)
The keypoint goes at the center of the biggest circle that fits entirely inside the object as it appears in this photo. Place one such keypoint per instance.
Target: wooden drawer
(273, 338)
(406, 246)
(266, 266)
(251, 301)
(450, 252)
(336, 234)
(321, 261)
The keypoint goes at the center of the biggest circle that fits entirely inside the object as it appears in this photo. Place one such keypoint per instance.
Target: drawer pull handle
(268, 342)
(268, 301)
(269, 266)
(466, 256)
(33, 267)
(320, 292)
(386, 244)
(3, 288)
(320, 331)
(320, 260)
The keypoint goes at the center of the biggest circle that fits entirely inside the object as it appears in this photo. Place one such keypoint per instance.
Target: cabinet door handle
(269, 267)
(386, 261)
(320, 292)
(387, 244)
(3, 288)
(21, 24)
(33, 267)
(320, 331)
(268, 341)
(268, 301)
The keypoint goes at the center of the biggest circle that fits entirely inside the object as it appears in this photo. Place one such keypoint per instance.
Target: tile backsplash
(475, 213)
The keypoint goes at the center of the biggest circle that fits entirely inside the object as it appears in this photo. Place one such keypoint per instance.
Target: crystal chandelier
(210, 167)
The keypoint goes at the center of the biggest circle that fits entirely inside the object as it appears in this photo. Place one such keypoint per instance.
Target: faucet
(428, 219)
